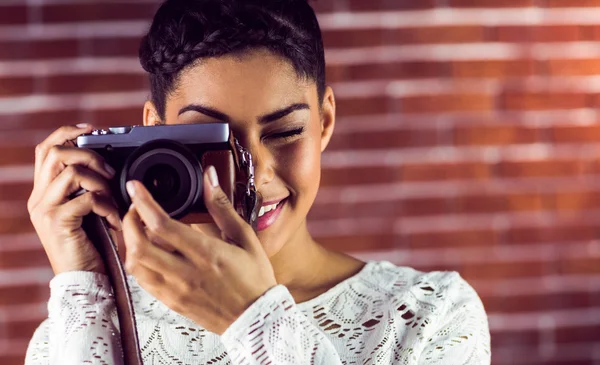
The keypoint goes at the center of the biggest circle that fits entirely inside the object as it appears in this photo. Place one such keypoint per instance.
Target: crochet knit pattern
(385, 314)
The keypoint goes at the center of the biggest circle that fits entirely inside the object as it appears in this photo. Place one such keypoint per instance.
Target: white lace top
(384, 314)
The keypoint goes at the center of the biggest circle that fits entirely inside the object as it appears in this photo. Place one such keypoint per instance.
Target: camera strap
(97, 230)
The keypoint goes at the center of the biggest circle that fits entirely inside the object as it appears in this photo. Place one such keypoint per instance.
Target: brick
(12, 359)
(577, 200)
(590, 32)
(21, 329)
(89, 83)
(445, 239)
(39, 49)
(544, 168)
(552, 233)
(517, 339)
(24, 294)
(518, 202)
(385, 71)
(493, 68)
(64, 13)
(385, 139)
(359, 175)
(557, 33)
(115, 117)
(447, 103)
(547, 33)
(425, 206)
(358, 243)
(480, 203)
(575, 67)
(578, 266)
(495, 135)
(354, 38)
(15, 191)
(345, 210)
(103, 47)
(436, 35)
(505, 270)
(13, 14)
(378, 5)
(43, 119)
(570, 134)
(541, 302)
(515, 202)
(13, 86)
(21, 259)
(13, 155)
(575, 334)
(572, 3)
(445, 171)
(18, 224)
(362, 106)
(323, 6)
(490, 3)
(543, 100)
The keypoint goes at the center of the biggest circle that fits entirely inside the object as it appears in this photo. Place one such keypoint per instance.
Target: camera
(169, 160)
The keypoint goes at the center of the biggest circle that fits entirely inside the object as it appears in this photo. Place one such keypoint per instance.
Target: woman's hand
(209, 280)
(62, 169)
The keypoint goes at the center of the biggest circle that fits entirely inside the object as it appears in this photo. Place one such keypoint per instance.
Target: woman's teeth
(266, 208)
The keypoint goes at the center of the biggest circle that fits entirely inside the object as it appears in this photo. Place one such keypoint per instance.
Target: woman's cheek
(301, 165)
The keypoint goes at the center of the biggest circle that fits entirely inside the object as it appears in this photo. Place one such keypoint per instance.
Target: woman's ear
(150, 115)
(327, 117)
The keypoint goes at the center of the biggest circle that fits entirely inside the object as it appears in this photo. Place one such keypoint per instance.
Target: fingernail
(131, 206)
(212, 176)
(130, 189)
(109, 169)
(82, 125)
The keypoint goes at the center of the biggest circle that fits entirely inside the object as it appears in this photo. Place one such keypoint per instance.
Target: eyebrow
(278, 114)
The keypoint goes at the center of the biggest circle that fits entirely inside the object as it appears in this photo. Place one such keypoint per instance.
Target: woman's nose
(263, 161)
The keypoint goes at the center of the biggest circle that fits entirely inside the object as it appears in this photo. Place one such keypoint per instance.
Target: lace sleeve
(273, 330)
(38, 349)
(463, 336)
(81, 325)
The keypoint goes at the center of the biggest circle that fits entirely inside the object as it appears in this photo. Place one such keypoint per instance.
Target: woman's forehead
(252, 84)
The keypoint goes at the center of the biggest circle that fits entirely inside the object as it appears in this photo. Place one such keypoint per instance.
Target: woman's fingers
(87, 203)
(59, 157)
(72, 179)
(142, 251)
(58, 137)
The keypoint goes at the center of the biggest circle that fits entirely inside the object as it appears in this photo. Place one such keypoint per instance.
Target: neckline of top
(338, 287)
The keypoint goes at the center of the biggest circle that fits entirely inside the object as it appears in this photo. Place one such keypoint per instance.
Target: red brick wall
(467, 139)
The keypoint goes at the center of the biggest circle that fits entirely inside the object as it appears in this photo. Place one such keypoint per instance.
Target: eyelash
(287, 134)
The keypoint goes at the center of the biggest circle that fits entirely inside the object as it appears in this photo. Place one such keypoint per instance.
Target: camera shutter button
(119, 130)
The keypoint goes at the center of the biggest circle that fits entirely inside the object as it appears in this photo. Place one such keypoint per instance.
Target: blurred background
(467, 139)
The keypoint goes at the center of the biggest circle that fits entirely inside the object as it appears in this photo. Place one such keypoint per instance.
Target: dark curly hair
(184, 31)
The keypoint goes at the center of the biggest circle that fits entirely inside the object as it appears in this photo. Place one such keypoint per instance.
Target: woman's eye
(286, 134)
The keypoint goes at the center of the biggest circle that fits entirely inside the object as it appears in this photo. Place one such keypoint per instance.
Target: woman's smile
(269, 212)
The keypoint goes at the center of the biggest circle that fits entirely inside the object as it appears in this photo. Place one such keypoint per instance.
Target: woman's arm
(273, 330)
(80, 327)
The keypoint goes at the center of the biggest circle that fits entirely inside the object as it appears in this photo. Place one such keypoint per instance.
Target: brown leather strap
(96, 229)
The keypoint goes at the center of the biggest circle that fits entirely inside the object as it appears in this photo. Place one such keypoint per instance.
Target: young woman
(222, 293)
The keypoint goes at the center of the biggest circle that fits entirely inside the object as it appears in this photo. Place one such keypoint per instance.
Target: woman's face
(274, 114)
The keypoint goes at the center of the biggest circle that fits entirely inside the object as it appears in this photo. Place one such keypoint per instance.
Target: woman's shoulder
(433, 291)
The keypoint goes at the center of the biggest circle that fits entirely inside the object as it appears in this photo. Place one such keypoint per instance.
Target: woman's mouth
(268, 214)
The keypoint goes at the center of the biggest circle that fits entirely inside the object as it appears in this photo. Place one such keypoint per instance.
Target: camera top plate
(133, 136)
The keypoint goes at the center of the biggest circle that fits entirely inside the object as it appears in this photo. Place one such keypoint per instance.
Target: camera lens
(162, 181)
(171, 173)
